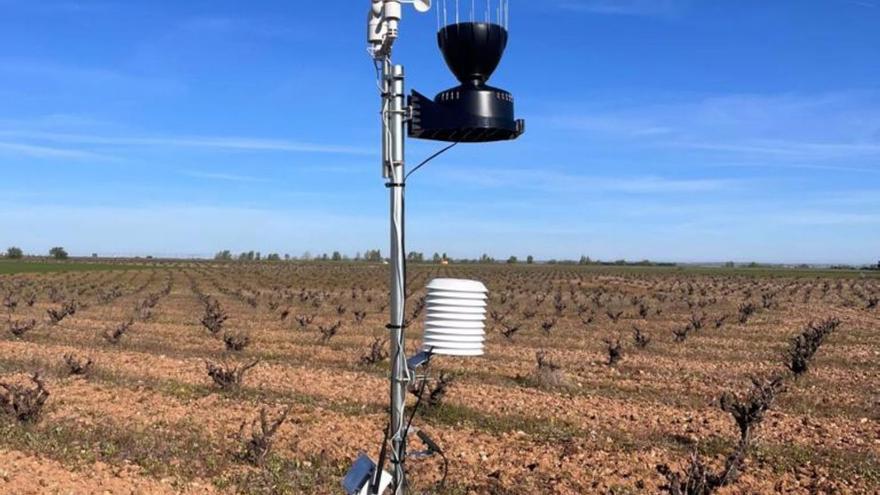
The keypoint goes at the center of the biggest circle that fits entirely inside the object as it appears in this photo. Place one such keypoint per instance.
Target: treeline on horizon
(375, 256)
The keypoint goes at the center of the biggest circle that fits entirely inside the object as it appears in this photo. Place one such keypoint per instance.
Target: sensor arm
(383, 24)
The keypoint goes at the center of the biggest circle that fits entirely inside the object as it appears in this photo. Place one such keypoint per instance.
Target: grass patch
(283, 476)
(842, 464)
(783, 458)
(539, 428)
(179, 451)
(8, 267)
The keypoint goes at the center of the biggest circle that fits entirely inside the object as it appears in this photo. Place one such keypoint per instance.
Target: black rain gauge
(472, 112)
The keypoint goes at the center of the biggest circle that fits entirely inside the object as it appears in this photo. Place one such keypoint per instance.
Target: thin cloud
(167, 229)
(215, 143)
(226, 26)
(43, 71)
(781, 127)
(221, 176)
(64, 7)
(625, 7)
(35, 151)
(820, 218)
(559, 182)
(799, 166)
(862, 3)
(787, 148)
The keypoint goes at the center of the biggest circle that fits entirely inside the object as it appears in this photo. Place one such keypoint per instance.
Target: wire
(442, 483)
(376, 480)
(425, 162)
(399, 359)
(418, 403)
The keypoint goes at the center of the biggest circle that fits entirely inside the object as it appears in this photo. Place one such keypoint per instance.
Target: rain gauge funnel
(472, 50)
(472, 112)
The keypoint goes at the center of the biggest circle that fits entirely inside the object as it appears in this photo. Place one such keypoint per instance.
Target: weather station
(472, 43)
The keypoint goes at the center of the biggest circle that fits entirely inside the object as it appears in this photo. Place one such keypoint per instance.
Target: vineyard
(270, 377)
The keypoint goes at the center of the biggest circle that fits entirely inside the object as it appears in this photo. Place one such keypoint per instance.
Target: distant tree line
(375, 256)
(16, 253)
(249, 256)
(587, 261)
(850, 267)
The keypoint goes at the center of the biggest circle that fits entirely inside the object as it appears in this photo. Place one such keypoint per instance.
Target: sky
(674, 130)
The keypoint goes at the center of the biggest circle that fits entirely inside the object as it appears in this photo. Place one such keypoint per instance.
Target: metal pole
(394, 138)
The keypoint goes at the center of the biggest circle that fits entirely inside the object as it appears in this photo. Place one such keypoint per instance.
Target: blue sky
(666, 129)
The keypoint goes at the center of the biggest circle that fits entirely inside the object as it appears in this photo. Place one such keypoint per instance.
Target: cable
(399, 359)
(418, 403)
(395, 459)
(425, 162)
(442, 484)
(376, 480)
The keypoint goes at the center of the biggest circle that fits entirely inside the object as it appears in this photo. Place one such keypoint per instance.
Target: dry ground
(147, 418)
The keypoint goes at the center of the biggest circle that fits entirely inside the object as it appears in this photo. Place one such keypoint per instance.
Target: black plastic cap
(472, 50)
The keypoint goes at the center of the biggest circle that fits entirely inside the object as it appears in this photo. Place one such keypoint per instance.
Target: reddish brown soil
(148, 419)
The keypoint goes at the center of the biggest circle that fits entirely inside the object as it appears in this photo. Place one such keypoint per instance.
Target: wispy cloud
(798, 166)
(823, 218)
(803, 127)
(204, 142)
(62, 7)
(793, 149)
(542, 179)
(218, 25)
(35, 151)
(625, 7)
(49, 72)
(863, 3)
(221, 176)
(183, 230)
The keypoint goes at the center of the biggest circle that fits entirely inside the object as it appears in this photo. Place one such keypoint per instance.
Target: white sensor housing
(455, 324)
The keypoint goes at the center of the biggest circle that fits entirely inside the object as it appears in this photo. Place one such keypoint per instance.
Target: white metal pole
(399, 374)
(393, 135)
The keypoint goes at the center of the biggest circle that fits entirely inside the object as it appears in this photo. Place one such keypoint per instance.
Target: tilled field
(543, 412)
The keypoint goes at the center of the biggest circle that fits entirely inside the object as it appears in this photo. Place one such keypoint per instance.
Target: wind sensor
(472, 112)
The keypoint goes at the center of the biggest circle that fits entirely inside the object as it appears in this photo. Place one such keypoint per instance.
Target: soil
(147, 418)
